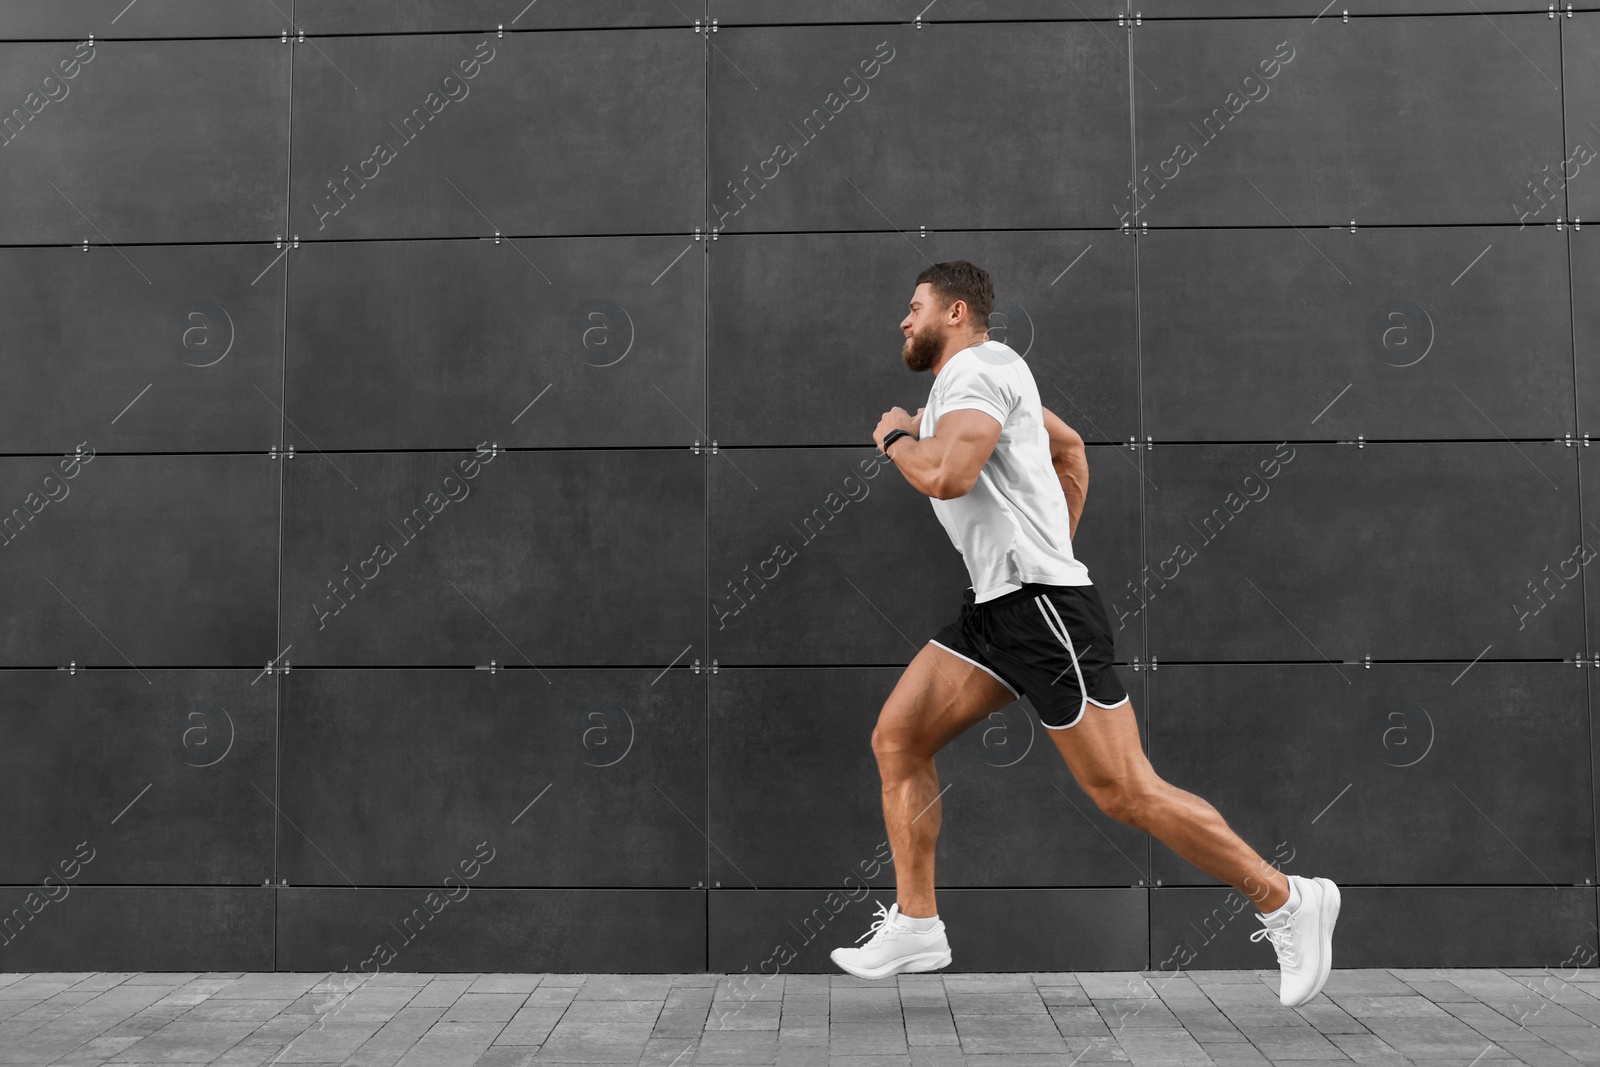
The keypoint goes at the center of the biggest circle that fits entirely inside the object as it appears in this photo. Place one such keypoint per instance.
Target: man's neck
(962, 346)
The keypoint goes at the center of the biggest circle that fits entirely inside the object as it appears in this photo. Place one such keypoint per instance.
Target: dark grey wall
(506, 612)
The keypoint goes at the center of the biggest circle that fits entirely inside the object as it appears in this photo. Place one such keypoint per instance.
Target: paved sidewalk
(1457, 1017)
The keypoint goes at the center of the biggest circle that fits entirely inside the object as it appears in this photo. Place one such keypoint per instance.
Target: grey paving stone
(1116, 985)
(549, 996)
(486, 1008)
(1409, 1006)
(1234, 1054)
(107, 980)
(996, 1003)
(166, 978)
(1161, 1048)
(506, 983)
(817, 983)
(1439, 990)
(187, 1042)
(738, 1047)
(750, 1015)
(801, 1056)
(532, 1025)
(507, 1056)
(450, 1045)
(750, 987)
(92, 1052)
(665, 1051)
(1418, 1038)
(328, 1042)
(250, 1053)
(1286, 1042)
(1079, 1019)
(1538, 1054)
(625, 987)
(1135, 1012)
(1329, 1018)
(862, 1039)
(858, 1006)
(988, 983)
(803, 1033)
(258, 1011)
(395, 1037)
(1009, 1034)
(1581, 1042)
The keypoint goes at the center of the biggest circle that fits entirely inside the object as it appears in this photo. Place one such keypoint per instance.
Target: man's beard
(922, 349)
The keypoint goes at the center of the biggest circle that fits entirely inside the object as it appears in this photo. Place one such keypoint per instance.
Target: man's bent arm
(918, 462)
(1071, 465)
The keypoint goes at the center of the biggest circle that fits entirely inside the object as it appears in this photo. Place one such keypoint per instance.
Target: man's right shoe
(1303, 940)
(894, 948)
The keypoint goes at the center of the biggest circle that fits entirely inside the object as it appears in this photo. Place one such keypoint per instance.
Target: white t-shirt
(1013, 526)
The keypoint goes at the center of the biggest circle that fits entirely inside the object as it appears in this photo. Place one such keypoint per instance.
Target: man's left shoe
(1303, 940)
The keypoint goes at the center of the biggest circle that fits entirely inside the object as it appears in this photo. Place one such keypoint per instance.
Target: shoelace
(1282, 938)
(878, 929)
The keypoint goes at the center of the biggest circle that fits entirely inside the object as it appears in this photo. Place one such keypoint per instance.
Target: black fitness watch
(891, 437)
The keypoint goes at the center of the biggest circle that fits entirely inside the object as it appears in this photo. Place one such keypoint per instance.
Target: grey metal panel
(1387, 333)
(142, 560)
(1064, 300)
(1387, 926)
(184, 352)
(1585, 251)
(155, 772)
(125, 150)
(143, 928)
(110, 19)
(1404, 773)
(783, 11)
(572, 777)
(989, 929)
(1574, 172)
(795, 792)
(829, 556)
(442, 344)
(477, 16)
(1351, 124)
(534, 558)
(815, 110)
(1319, 14)
(1398, 550)
(655, 931)
(1555, 580)
(453, 135)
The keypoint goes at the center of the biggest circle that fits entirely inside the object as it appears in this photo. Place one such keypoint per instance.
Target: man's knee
(1127, 802)
(895, 739)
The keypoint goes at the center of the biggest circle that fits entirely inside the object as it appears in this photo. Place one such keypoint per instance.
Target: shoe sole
(1330, 900)
(921, 962)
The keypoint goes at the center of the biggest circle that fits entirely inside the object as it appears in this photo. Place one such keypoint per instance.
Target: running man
(1007, 479)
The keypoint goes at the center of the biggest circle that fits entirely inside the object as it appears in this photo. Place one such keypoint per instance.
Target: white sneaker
(895, 948)
(1303, 941)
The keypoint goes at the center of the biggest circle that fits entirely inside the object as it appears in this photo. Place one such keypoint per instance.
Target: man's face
(924, 329)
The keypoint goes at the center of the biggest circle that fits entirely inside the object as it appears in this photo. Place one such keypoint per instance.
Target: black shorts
(1049, 642)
